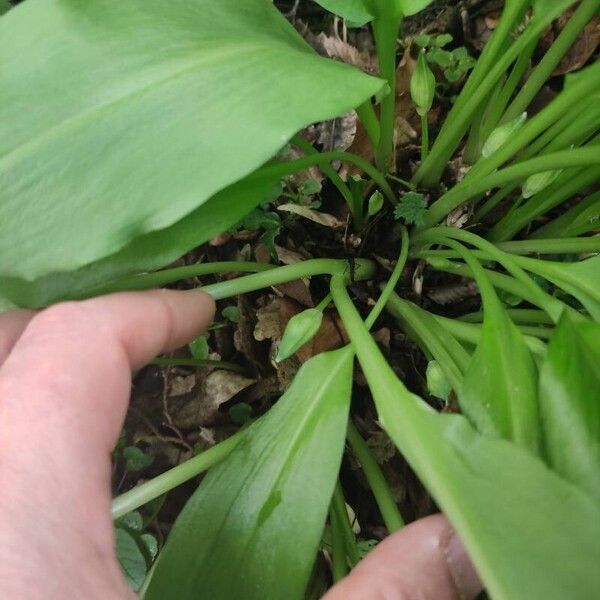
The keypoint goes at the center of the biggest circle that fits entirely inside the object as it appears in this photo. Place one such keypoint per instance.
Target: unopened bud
(301, 328)
(539, 181)
(437, 382)
(501, 134)
(422, 85)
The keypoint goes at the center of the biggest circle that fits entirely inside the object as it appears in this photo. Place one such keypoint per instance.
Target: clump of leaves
(454, 63)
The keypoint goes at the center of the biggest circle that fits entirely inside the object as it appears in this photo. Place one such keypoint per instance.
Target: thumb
(424, 561)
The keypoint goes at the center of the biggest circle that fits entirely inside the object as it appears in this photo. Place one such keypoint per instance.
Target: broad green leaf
(145, 253)
(4, 6)
(579, 279)
(253, 528)
(360, 12)
(119, 119)
(530, 533)
(499, 390)
(355, 11)
(570, 404)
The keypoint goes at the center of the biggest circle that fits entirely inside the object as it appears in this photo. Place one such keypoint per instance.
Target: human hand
(64, 386)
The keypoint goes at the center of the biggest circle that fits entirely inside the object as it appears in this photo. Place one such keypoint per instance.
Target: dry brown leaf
(582, 50)
(454, 292)
(321, 218)
(268, 322)
(181, 385)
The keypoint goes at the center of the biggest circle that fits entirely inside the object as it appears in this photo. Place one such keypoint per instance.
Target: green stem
(532, 246)
(437, 341)
(517, 315)
(550, 304)
(357, 270)
(381, 490)
(324, 303)
(468, 188)
(339, 564)
(276, 170)
(385, 31)
(331, 173)
(581, 218)
(567, 37)
(391, 283)
(424, 137)
(150, 490)
(368, 117)
(565, 186)
(492, 64)
(470, 332)
(195, 362)
(339, 507)
(147, 281)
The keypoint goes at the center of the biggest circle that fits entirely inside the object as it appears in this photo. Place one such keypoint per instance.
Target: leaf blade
(160, 127)
(253, 527)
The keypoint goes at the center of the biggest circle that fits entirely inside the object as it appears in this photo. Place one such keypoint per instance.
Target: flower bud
(501, 134)
(538, 181)
(375, 203)
(300, 329)
(422, 85)
(437, 382)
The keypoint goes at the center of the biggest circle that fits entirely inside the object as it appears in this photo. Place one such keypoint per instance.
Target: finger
(65, 388)
(12, 325)
(425, 560)
(70, 370)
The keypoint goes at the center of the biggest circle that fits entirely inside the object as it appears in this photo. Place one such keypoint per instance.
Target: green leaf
(231, 313)
(131, 558)
(580, 279)
(570, 403)
(4, 6)
(148, 252)
(443, 40)
(136, 459)
(253, 528)
(360, 12)
(516, 517)
(355, 11)
(199, 348)
(499, 391)
(138, 119)
(411, 208)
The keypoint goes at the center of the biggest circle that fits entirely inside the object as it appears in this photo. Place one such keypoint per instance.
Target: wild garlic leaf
(570, 403)
(499, 497)
(148, 252)
(254, 525)
(90, 163)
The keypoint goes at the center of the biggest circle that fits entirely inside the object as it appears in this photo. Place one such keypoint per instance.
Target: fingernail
(461, 568)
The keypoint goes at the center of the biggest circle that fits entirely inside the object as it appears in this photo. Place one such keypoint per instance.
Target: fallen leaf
(582, 50)
(181, 385)
(321, 218)
(268, 322)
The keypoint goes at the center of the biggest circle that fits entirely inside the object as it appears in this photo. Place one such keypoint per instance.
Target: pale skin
(65, 377)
